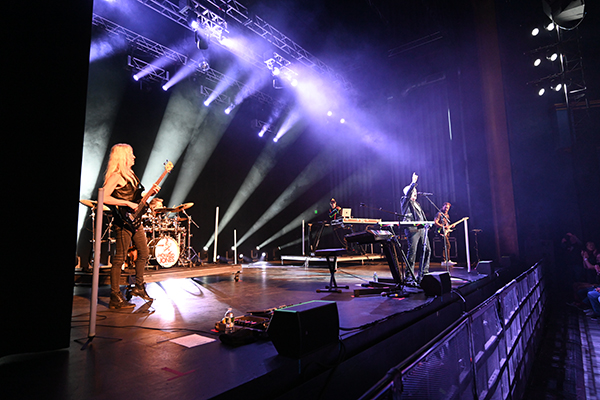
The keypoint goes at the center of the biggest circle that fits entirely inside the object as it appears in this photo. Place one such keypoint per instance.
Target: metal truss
(154, 73)
(158, 51)
(146, 45)
(209, 10)
(206, 92)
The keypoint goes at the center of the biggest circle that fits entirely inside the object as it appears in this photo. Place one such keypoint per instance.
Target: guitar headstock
(168, 166)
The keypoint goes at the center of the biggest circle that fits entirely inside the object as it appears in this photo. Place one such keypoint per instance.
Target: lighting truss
(154, 73)
(178, 15)
(157, 50)
(257, 25)
(148, 46)
(206, 92)
(258, 124)
(239, 13)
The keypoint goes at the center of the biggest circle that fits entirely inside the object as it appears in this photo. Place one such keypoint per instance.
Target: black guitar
(132, 219)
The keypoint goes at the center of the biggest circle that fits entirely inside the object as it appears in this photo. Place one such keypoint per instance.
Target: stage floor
(169, 348)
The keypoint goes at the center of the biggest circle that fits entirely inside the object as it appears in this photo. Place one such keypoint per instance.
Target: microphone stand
(446, 250)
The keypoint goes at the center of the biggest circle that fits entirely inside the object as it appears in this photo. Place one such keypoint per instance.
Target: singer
(412, 211)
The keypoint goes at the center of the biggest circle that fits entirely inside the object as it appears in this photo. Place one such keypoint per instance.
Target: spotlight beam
(257, 25)
(180, 121)
(265, 162)
(345, 187)
(315, 171)
(205, 139)
(157, 50)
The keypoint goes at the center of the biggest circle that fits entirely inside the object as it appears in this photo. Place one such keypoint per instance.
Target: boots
(140, 291)
(117, 301)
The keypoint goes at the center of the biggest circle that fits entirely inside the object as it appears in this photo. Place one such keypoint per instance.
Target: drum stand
(188, 254)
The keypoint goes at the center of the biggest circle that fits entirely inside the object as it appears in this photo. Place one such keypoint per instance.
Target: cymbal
(92, 204)
(183, 206)
(160, 210)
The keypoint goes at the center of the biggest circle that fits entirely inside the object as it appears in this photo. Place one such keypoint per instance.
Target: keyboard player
(415, 234)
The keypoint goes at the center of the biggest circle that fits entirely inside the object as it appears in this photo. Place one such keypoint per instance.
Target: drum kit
(168, 231)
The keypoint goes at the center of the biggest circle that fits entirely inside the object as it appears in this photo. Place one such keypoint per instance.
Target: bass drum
(164, 250)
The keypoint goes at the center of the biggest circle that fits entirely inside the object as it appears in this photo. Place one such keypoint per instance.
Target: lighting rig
(561, 58)
(158, 51)
(211, 13)
(564, 53)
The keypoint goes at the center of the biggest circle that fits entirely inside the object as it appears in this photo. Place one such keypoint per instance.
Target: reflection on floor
(169, 348)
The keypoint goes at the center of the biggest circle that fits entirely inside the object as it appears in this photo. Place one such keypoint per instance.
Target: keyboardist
(415, 234)
(335, 211)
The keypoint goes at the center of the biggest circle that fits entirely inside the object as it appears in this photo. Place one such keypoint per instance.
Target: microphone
(425, 193)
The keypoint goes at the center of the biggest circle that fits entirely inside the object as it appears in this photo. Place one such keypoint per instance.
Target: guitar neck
(158, 181)
(452, 226)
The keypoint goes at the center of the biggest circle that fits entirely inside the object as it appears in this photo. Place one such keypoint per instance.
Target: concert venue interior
(267, 110)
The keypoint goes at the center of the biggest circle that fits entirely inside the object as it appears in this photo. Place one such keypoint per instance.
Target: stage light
(277, 84)
(552, 56)
(535, 32)
(204, 66)
(329, 113)
(136, 77)
(557, 87)
(294, 82)
(229, 109)
(342, 121)
(541, 92)
(202, 40)
(550, 26)
(537, 62)
(567, 14)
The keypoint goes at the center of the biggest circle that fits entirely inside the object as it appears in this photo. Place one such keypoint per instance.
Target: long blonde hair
(117, 163)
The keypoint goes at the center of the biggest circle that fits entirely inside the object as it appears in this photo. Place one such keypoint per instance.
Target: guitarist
(442, 221)
(122, 188)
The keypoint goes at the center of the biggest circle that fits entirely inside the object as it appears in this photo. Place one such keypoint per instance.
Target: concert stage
(136, 352)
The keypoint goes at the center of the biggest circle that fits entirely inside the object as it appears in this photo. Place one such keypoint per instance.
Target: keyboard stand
(331, 256)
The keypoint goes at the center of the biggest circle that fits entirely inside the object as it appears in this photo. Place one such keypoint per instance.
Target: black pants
(416, 239)
(124, 238)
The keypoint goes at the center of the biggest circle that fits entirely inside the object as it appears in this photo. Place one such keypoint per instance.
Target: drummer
(154, 204)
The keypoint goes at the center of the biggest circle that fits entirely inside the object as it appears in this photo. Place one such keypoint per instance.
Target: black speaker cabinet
(436, 283)
(300, 329)
(485, 268)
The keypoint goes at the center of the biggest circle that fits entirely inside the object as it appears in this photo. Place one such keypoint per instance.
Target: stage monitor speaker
(303, 328)
(485, 267)
(436, 283)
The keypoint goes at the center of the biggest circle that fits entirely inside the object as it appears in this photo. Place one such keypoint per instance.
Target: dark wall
(46, 111)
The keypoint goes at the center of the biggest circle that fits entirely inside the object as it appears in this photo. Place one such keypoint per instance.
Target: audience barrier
(487, 354)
